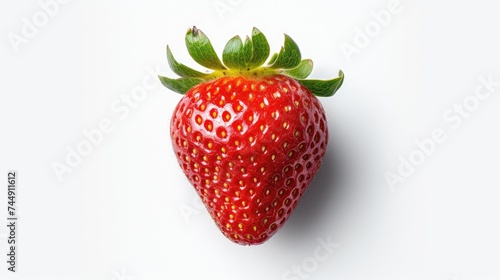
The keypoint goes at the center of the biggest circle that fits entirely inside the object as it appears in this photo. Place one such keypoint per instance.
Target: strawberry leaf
(236, 55)
(201, 50)
(324, 88)
(273, 58)
(260, 49)
(181, 69)
(303, 70)
(289, 55)
(181, 85)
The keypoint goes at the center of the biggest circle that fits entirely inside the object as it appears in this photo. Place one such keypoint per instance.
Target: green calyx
(244, 58)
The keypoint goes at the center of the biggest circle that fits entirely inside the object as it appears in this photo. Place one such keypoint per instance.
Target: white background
(117, 214)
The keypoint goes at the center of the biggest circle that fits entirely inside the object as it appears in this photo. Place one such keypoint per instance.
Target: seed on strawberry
(249, 138)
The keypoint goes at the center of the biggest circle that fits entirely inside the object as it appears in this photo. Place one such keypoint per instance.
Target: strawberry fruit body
(250, 139)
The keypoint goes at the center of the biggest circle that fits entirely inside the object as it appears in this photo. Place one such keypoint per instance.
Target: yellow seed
(240, 225)
(218, 214)
(226, 199)
(290, 154)
(273, 157)
(195, 151)
(235, 236)
(217, 192)
(252, 158)
(223, 133)
(262, 105)
(245, 215)
(198, 120)
(265, 221)
(243, 170)
(223, 149)
(249, 236)
(255, 179)
(233, 207)
(238, 108)
(188, 129)
(209, 127)
(250, 118)
(261, 127)
(285, 124)
(244, 203)
(263, 148)
(241, 182)
(237, 193)
(254, 228)
(210, 144)
(262, 169)
(236, 143)
(228, 225)
(288, 182)
(231, 216)
(281, 191)
(273, 137)
(239, 127)
(219, 157)
(202, 107)
(250, 139)
(184, 143)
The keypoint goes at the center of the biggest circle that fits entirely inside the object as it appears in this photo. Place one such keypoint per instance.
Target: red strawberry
(249, 138)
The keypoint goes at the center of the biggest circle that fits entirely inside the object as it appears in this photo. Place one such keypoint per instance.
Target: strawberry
(249, 138)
